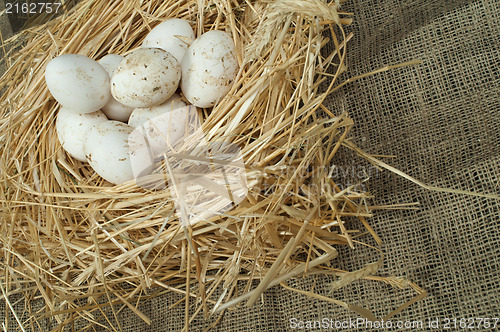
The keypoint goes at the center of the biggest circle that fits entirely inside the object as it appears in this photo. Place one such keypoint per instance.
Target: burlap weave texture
(441, 119)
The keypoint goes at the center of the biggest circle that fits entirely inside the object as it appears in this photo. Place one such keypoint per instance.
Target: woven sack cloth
(441, 121)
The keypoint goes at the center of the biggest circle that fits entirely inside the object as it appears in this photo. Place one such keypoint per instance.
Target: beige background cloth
(441, 120)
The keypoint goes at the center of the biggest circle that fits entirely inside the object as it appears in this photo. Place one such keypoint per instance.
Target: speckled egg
(209, 68)
(145, 77)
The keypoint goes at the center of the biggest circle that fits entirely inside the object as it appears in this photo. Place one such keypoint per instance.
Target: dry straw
(68, 235)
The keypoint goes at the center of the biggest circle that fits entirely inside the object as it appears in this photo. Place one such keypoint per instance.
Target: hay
(68, 235)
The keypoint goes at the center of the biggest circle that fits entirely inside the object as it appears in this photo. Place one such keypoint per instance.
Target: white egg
(146, 77)
(113, 109)
(72, 128)
(164, 36)
(110, 62)
(141, 115)
(78, 82)
(162, 125)
(107, 151)
(209, 68)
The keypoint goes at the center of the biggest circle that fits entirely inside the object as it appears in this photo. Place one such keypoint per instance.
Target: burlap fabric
(441, 120)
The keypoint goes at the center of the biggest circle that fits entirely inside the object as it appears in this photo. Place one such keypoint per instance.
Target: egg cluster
(104, 101)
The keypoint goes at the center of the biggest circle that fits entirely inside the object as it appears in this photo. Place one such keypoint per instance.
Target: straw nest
(68, 235)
